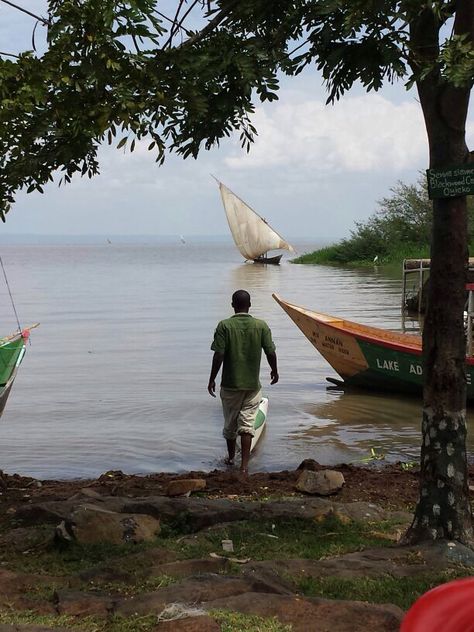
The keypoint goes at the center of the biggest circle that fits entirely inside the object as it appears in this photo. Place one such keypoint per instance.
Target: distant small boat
(364, 356)
(252, 234)
(12, 350)
(183, 241)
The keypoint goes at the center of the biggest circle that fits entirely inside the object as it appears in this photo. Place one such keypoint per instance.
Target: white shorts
(240, 409)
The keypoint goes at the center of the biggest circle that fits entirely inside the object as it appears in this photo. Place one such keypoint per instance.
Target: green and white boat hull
(260, 421)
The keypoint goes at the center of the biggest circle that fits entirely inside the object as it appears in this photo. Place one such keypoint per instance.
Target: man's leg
(246, 441)
(246, 421)
(231, 403)
(231, 450)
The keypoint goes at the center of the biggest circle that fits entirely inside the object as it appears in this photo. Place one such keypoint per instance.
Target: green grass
(401, 591)
(90, 624)
(284, 539)
(229, 622)
(67, 559)
(236, 622)
(335, 255)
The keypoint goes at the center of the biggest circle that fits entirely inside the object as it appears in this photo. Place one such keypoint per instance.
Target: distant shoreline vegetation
(399, 229)
(337, 255)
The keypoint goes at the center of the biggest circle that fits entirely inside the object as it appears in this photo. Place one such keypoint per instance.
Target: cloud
(358, 134)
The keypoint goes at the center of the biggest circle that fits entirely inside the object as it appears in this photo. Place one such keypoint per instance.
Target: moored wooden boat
(368, 357)
(12, 350)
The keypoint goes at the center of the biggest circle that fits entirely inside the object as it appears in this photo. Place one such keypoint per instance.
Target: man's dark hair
(241, 299)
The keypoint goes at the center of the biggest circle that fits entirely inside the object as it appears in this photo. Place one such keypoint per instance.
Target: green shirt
(241, 339)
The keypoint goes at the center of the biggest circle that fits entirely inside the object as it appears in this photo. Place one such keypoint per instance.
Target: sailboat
(12, 350)
(253, 235)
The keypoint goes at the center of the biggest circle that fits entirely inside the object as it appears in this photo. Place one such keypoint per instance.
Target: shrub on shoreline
(399, 229)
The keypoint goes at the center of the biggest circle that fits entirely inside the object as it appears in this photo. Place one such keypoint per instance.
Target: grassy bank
(342, 254)
(252, 539)
(399, 229)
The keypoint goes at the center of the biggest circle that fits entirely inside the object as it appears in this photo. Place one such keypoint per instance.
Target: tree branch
(211, 26)
(165, 17)
(464, 19)
(174, 25)
(180, 23)
(33, 15)
(9, 55)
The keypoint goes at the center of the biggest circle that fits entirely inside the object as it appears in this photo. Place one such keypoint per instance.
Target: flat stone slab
(315, 615)
(204, 512)
(195, 590)
(192, 590)
(396, 561)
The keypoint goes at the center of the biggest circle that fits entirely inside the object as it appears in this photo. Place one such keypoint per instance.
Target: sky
(313, 171)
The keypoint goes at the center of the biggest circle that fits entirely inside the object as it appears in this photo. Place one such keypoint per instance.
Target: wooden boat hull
(367, 357)
(5, 392)
(269, 260)
(12, 350)
(11, 355)
(260, 421)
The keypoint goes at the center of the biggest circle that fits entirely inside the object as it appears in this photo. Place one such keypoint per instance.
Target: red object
(25, 334)
(446, 608)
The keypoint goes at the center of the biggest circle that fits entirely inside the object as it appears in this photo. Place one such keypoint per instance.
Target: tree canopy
(118, 72)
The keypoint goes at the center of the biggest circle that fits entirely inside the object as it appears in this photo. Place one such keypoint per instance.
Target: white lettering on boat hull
(387, 365)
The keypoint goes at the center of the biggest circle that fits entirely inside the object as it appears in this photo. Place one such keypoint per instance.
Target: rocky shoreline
(203, 552)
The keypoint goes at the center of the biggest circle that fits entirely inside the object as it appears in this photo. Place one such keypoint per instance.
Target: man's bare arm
(272, 361)
(217, 360)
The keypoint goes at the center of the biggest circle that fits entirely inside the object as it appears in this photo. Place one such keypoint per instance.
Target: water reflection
(353, 422)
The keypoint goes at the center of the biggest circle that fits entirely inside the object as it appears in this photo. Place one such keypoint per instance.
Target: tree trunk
(443, 509)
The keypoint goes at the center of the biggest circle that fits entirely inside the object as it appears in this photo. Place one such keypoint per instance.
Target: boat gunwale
(18, 334)
(338, 324)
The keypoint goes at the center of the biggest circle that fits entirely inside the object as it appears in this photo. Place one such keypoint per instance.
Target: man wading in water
(238, 343)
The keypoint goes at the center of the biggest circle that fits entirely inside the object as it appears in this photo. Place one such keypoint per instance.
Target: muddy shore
(391, 486)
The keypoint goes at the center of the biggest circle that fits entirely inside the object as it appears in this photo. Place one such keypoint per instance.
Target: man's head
(241, 301)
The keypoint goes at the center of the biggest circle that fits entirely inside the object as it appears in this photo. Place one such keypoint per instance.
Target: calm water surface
(116, 375)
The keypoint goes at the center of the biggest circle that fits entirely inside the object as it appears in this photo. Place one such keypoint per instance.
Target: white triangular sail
(253, 236)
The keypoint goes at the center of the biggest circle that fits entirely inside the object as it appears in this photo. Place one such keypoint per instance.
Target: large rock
(315, 615)
(323, 483)
(185, 486)
(90, 524)
(54, 511)
(309, 464)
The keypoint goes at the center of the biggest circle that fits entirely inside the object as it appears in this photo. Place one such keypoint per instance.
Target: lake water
(116, 375)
